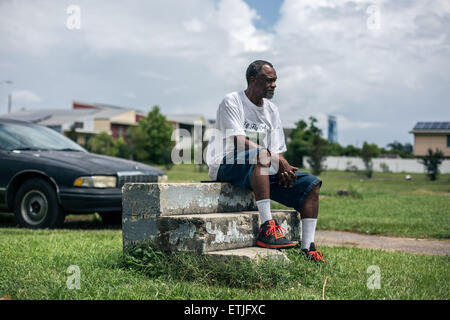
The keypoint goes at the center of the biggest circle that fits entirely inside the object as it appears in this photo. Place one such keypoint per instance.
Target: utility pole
(9, 102)
(9, 95)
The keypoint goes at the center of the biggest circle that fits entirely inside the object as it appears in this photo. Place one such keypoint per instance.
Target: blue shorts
(237, 169)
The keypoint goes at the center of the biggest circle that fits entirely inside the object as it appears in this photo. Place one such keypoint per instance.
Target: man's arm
(286, 172)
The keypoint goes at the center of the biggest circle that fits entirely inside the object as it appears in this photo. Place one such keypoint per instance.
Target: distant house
(431, 135)
(84, 120)
(87, 119)
(111, 119)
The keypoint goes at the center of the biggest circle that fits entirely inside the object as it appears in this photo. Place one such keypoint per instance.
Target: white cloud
(24, 97)
(194, 25)
(333, 64)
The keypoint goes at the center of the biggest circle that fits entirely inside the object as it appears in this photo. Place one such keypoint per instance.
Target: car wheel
(112, 218)
(36, 205)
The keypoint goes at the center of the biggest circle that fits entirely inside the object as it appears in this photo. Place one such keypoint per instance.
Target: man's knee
(314, 193)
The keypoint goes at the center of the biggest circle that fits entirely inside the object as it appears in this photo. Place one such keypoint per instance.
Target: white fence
(393, 165)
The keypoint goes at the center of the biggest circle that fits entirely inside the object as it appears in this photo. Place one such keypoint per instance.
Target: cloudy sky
(379, 66)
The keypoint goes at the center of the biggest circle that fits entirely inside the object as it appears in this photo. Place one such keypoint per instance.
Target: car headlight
(162, 178)
(96, 182)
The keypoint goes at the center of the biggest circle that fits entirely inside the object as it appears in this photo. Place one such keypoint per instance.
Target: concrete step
(167, 199)
(250, 253)
(203, 233)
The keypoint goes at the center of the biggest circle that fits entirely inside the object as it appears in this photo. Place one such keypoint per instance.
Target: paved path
(410, 245)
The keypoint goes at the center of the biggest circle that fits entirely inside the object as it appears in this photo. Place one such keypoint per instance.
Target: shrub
(317, 155)
(101, 143)
(368, 152)
(432, 161)
(384, 167)
(351, 167)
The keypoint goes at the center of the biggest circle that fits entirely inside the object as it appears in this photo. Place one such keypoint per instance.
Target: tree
(368, 152)
(334, 149)
(431, 161)
(297, 148)
(72, 134)
(351, 151)
(301, 141)
(122, 149)
(102, 143)
(317, 153)
(403, 150)
(152, 138)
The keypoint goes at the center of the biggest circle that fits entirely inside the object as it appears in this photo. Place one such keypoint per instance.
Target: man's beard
(269, 94)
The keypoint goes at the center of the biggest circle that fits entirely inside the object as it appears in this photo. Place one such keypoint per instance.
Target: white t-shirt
(237, 115)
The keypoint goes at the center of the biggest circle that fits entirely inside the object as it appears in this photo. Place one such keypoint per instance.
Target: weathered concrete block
(203, 232)
(166, 199)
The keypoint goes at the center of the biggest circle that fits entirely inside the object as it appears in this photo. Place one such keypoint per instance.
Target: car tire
(36, 205)
(111, 218)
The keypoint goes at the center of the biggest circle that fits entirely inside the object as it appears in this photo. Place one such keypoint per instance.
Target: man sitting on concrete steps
(246, 150)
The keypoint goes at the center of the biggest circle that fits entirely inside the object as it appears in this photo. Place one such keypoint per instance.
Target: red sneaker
(271, 236)
(314, 254)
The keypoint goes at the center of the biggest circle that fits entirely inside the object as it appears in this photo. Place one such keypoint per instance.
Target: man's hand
(286, 173)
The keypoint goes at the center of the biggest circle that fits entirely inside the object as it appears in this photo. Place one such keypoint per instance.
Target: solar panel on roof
(419, 125)
(432, 126)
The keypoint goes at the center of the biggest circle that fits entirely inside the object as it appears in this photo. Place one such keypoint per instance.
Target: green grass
(33, 263)
(386, 182)
(186, 173)
(421, 216)
(34, 266)
(386, 204)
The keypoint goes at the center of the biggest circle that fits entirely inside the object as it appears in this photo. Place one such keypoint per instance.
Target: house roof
(104, 106)
(49, 116)
(109, 113)
(431, 127)
(186, 118)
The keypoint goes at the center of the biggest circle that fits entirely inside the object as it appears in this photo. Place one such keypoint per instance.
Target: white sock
(308, 232)
(264, 210)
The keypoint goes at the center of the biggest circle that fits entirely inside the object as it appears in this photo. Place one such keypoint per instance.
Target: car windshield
(17, 136)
